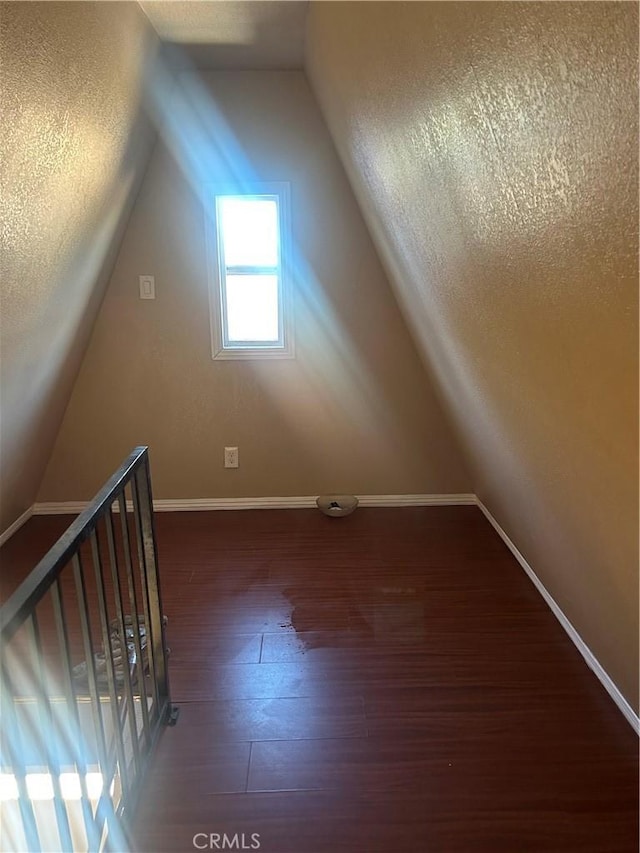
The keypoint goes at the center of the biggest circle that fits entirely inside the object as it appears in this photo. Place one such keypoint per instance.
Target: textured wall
(73, 144)
(493, 148)
(353, 412)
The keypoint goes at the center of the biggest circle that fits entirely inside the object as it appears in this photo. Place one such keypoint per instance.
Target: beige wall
(353, 412)
(493, 148)
(73, 144)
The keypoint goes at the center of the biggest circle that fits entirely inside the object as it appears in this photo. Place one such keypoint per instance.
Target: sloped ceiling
(493, 148)
(74, 146)
(232, 33)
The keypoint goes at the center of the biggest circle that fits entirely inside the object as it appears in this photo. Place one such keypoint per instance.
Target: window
(248, 258)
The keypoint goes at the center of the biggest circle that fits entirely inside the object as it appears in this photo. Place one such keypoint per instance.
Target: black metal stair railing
(84, 679)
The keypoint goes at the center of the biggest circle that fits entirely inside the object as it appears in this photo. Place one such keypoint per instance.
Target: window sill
(232, 354)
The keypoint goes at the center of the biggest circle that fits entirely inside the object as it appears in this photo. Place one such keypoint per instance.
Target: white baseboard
(205, 504)
(415, 500)
(593, 663)
(17, 524)
(60, 508)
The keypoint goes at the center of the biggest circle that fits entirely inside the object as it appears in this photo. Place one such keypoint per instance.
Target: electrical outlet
(231, 457)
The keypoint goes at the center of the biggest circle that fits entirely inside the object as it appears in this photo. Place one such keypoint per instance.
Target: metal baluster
(91, 829)
(142, 564)
(16, 752)
(143, 481)
(108, 650)
(104, 811)
(133, 600)
(46, 735)
(128, 687)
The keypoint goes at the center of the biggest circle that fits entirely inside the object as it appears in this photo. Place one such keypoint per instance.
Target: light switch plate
(147, 287)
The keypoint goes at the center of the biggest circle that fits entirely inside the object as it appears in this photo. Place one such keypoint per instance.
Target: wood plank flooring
(390, 681)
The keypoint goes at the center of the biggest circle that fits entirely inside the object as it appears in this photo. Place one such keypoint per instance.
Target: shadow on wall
(75, 144)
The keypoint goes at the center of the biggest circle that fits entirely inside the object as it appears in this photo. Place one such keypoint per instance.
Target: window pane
(252, 308)
(249, 228)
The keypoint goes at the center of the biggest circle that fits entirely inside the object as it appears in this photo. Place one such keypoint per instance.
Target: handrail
(108, 575)
(32, 589)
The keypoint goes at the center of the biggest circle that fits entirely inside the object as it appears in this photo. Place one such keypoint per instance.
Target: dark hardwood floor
(386, 682)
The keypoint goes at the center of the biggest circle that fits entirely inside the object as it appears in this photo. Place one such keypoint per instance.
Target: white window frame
(220, 347)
